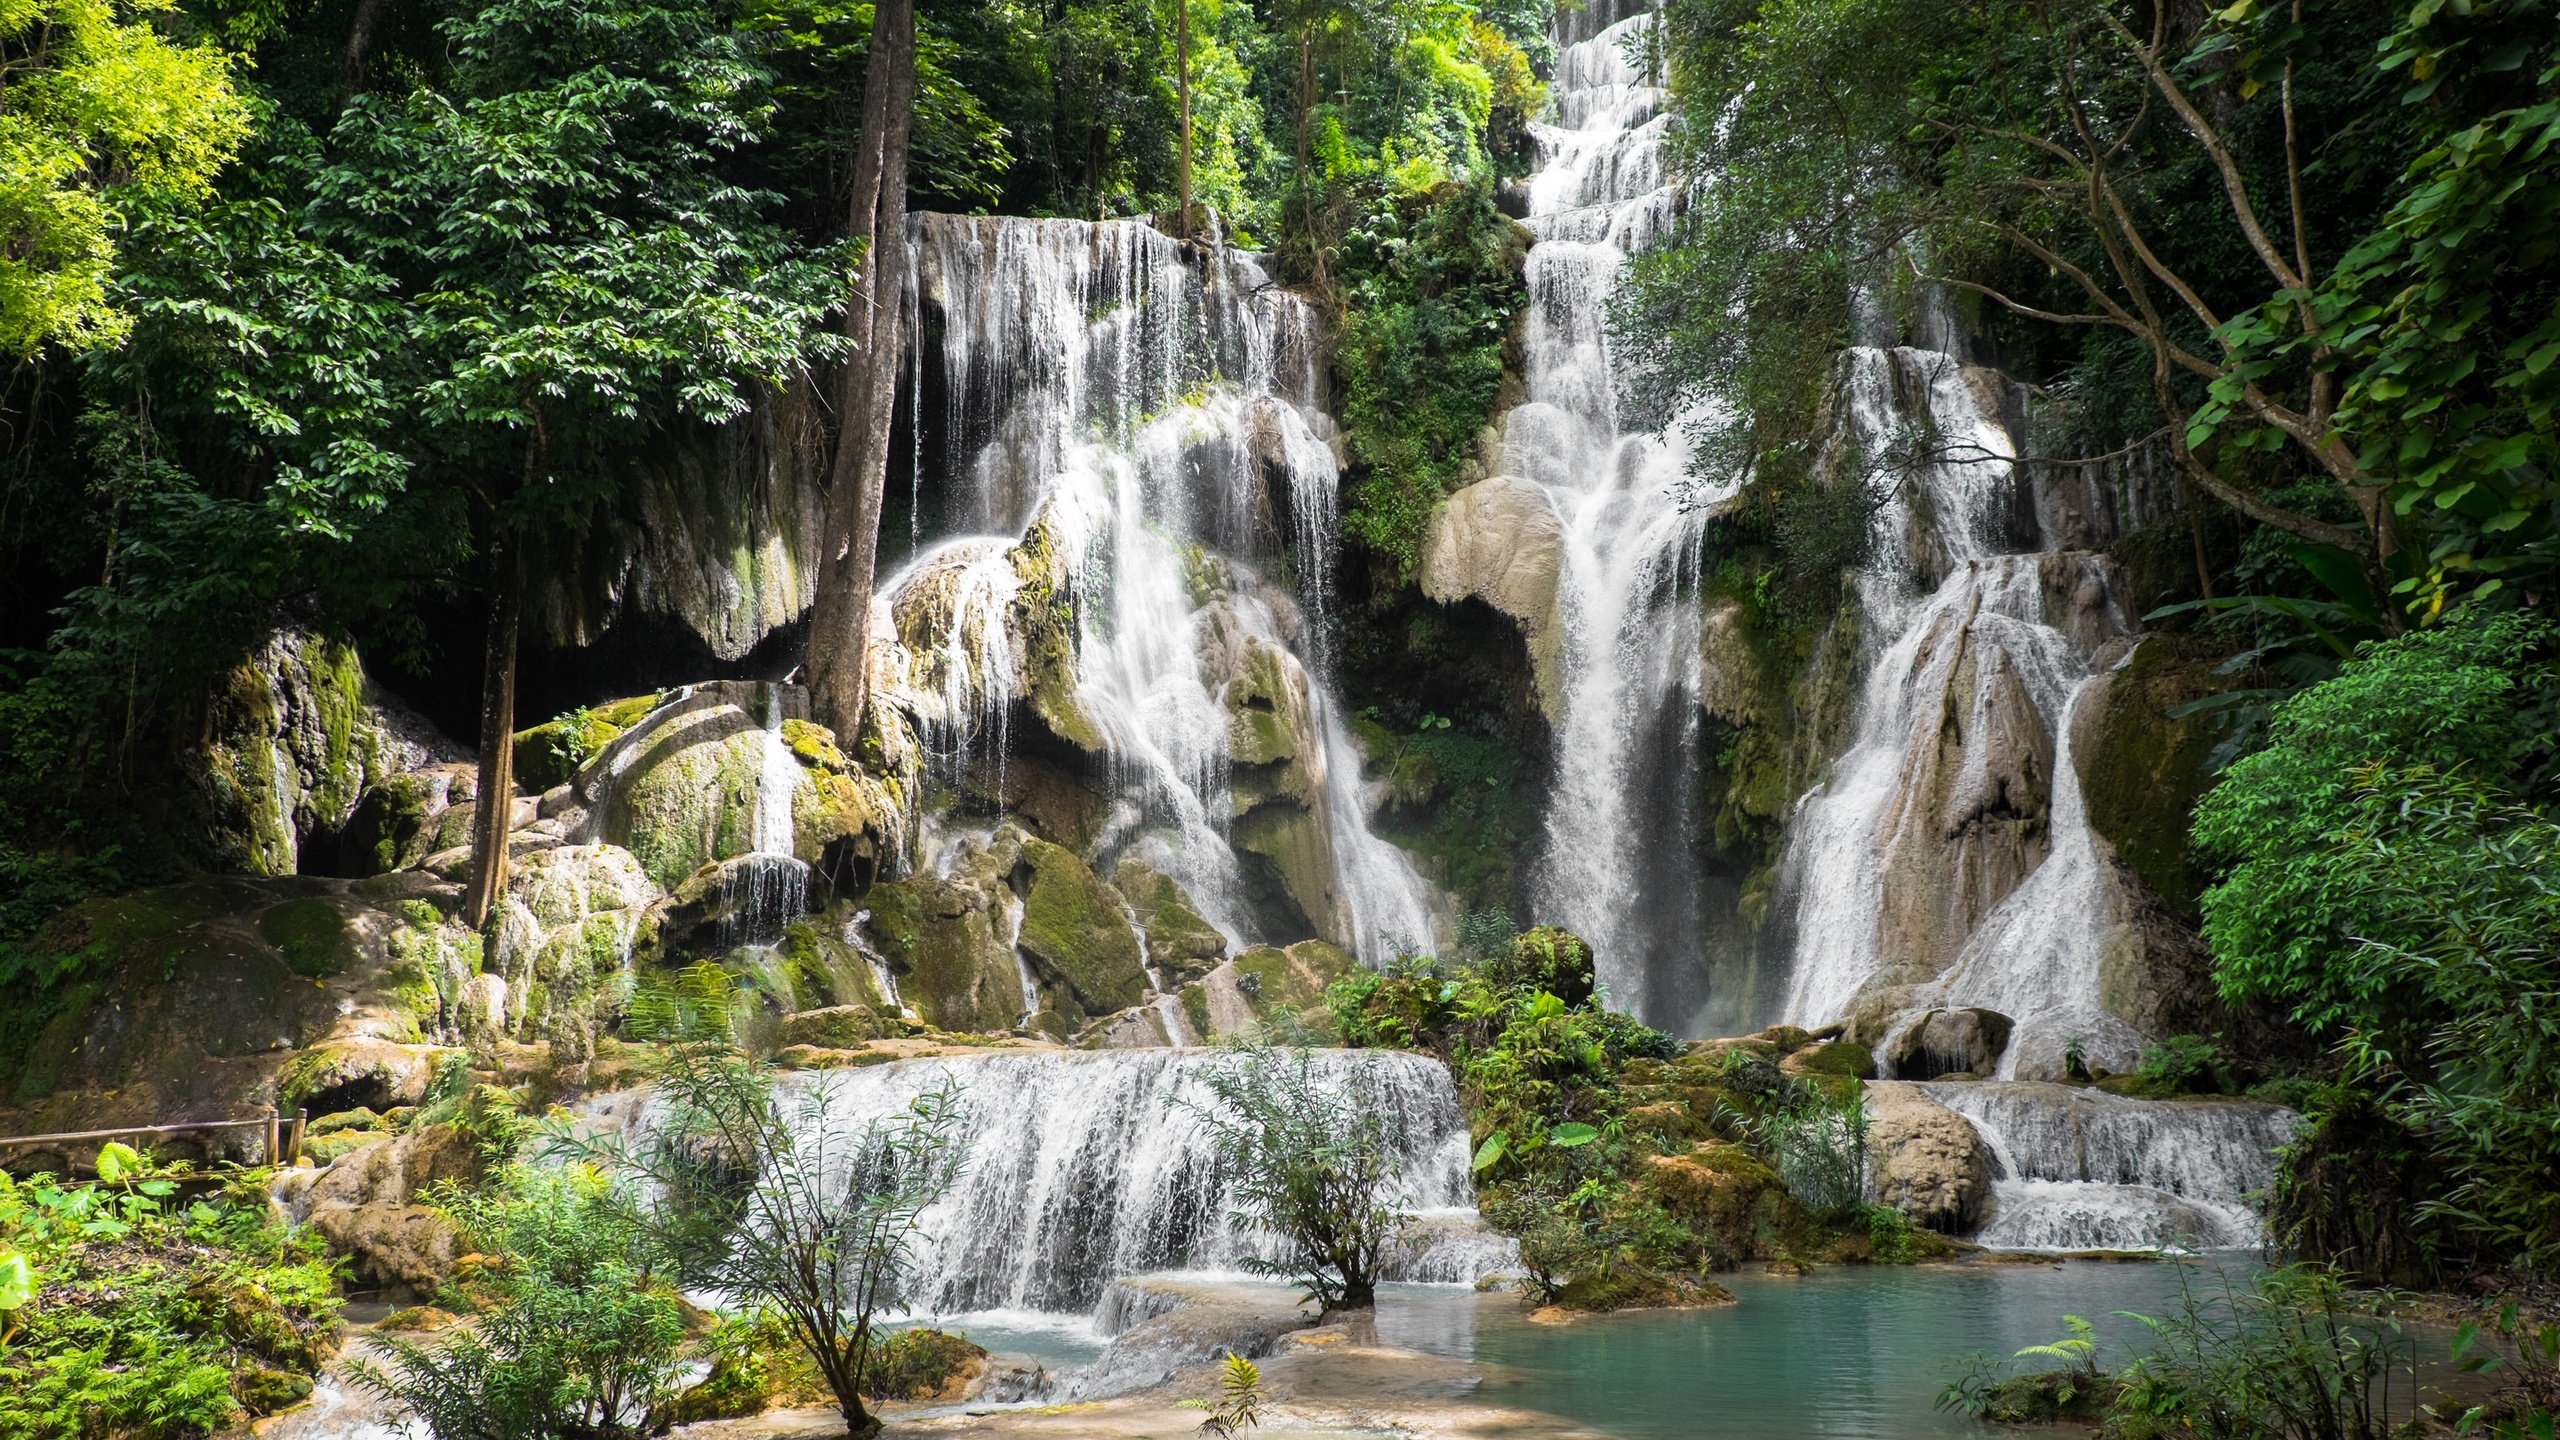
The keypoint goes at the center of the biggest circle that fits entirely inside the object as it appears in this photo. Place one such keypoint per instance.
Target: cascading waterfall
(2084, 1170)
(1144, 418)
(768, 886)
(1083, 1167)
(1617, 865)
(1999, 655)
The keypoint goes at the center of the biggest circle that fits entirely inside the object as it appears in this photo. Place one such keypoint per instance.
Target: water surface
(1845, 1353)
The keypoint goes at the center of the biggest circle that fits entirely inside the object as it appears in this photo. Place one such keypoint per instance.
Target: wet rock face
(1929, 1161)
(1947, 1042)
(1501, 541)
(1180, 944)
(2143, 768)
(1075, 934)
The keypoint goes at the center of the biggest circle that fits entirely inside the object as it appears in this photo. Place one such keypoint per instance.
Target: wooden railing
(283, 1137)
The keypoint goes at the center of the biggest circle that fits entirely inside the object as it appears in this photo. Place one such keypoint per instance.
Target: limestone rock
(1075, 934)
(2142, 769)
(367, 1205)
(571, 919)
(295, 736)
(949, 939)
(1501, 541)
(1180, 944)
(1929, 1161)
(1968, 819)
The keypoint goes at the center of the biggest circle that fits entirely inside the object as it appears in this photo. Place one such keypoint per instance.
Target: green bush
(581, 1339)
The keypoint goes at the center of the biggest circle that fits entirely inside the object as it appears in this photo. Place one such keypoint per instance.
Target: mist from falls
(1617, 865)
(1141, 424)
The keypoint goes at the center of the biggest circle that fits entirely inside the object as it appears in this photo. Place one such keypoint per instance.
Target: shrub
(1309, 1164)
(125, 1315)
(581, 1337)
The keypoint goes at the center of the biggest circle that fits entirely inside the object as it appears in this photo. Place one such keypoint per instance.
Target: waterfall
(769, 885)
(2084, 1170)
(1129, 433)
(1079, 1169)
(1949, 853)
(1616, 865)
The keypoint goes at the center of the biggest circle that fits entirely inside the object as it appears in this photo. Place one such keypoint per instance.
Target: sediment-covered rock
(1929, 1162)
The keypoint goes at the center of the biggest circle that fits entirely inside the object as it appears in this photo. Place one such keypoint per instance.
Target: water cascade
(1948, 860)
(1129, 445)
(1082, 1167)
(2084, 1170)
(1617, 866)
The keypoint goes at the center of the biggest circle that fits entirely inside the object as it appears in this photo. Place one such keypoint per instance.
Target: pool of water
(1060, 1342)
(1845, 1353)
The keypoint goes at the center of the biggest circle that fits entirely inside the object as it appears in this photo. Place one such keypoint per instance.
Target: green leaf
(1491, 1151)
(17, 1281)
(117, 1162)
(1570, 1134)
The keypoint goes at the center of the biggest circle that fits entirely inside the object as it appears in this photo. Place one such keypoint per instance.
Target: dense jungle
(1079, 718)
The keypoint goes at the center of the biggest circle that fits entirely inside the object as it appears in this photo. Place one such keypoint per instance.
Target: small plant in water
(2077, 1351)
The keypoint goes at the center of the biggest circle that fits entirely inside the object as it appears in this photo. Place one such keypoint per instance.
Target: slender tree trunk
(497, 787)
(1182, 87)
(849, 545)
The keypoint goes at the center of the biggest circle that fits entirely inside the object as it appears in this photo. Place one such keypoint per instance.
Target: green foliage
(1815, 1137)
(2188, 1065)
(1311, 1165)
(1239, 1404)
(1429, 282)
(581, 1337)
(2296, 1355)
(128, 1314)
(921, 1363)
(2475, 694)
(97, 109)
(764, 1195)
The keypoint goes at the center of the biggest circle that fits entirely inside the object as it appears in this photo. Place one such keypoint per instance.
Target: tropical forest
(1338, 719)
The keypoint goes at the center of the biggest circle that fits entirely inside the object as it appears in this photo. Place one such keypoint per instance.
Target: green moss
(2142, 769)
(550, 753)
(1076, 934)
(311, 935)
(1840, 1058)
(814, 744)
(1195, 1008)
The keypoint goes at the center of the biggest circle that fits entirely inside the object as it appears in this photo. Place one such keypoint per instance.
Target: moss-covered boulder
(947, 940)
(294, 737)
(1180, 944)
(563, 939)
(1075, 934)
(550, 753)
(1721, 1190)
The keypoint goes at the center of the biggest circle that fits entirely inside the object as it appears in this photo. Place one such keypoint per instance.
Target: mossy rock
(838, 1027)
(2141, 768)
(1839, 1058)
(550, 753)
(1076, 934)
(1179, 941)
(1723, 1190)
(360, 1118)
(311, 935)
(262, 1391)
(814, 745)
(392, 827)
(940, 939)
(1634, 1287)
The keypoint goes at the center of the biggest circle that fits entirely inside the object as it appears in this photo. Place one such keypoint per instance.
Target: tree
(574, 265)
(96, 109)
(2151, 198)
(771, 1196)
(1309, 1163)
(849, 543)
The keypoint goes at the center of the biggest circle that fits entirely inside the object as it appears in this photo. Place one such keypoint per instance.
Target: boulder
(564, 935)
(1720, 1191)
(1944, 1042)
(368, 1205)
(1180, 944)
(295, 736)
(1075, 934)
(1501, 541)
(948, 939)
(1930, 1163)
(2143, 768)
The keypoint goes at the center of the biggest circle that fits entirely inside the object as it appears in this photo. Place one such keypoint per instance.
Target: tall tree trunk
(849, 545)
(1182, 87)
(495, 803)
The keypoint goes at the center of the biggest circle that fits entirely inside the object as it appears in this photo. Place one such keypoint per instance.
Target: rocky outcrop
(1501, 541)
(2142, 766)
(561, 940)
(369, 1204)
(1968, 819)
(1929, 1161)
(948, 938)
(1076, 936)
(1966, 1041)
(293, 740)
(224, 998)
(1180, 944)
